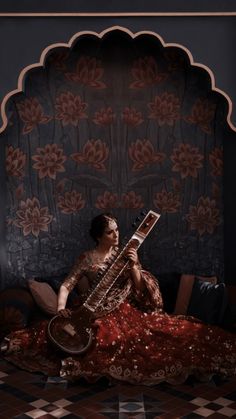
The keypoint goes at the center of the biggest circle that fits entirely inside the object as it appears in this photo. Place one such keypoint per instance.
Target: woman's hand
(64, 312)
(131, 254)
(135, 272)
(61, 301)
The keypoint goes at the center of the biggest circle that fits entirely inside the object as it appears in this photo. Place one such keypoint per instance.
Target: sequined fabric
(136, 342)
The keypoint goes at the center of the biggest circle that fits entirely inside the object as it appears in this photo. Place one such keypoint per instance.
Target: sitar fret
(110, 277)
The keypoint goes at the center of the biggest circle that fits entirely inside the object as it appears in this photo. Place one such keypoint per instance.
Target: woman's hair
(99, 224)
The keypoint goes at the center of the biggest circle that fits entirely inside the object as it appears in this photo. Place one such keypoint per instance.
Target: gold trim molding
(116, 14)
(100, 35)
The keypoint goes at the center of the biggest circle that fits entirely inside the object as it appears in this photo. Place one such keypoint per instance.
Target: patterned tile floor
(24, 395)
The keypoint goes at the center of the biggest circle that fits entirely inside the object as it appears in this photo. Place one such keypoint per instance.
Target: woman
(133, 339)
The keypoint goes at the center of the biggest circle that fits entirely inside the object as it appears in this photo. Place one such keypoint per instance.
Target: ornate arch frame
(40, 63)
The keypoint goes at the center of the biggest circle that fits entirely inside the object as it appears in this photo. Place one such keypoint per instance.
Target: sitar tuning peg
(137, 220)
(143, 212)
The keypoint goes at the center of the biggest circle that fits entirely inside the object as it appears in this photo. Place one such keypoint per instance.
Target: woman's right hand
(65, 312)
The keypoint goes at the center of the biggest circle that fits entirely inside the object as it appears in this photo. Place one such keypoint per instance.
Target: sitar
(74, 334)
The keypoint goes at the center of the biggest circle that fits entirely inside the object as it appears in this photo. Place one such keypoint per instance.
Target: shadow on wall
(114, 124)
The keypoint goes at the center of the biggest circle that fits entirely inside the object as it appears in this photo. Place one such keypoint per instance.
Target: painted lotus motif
(142, 154)
(94, 153)
(187, 160)
(132, 200)
(70, 108)
(88, 72)
(145, 72)
(104, 117)
(107, 201)
(167, 201)
(216, 161)
(165, 109)
(132, 117)
(58, 60)
(71, 202)
(49, 161)
(204, 217)
(32, 114)
(15, 161)
(32, 218)
(202, 114)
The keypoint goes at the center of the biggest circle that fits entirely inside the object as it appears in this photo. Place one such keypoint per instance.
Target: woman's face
(110, 236)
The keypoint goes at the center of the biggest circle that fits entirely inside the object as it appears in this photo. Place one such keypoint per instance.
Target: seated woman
(133, 339)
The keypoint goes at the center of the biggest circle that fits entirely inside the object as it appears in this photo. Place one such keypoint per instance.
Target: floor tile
(227, 411)
(24, 395)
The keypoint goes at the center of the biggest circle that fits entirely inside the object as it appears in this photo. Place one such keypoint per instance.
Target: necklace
(104, 257)
(100, 257)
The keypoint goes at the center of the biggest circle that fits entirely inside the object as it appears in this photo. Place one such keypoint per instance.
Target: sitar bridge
(68, 328)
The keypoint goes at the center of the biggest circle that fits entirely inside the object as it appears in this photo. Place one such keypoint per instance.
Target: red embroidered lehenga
(134, 340)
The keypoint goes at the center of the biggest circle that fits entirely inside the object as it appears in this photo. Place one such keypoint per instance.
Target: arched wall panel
(115, 123)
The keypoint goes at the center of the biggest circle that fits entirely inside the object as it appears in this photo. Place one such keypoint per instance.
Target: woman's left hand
(131, 254)
(64, 312)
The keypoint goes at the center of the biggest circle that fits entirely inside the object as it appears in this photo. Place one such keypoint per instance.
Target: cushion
(169, 285)
(44, 296)
(55, 282)
(208, 301)
(16, 309)
(202, 298)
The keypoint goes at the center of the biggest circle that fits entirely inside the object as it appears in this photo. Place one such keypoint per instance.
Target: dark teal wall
(210, 39)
